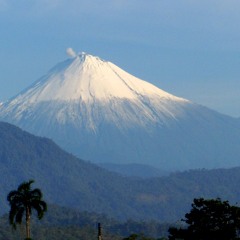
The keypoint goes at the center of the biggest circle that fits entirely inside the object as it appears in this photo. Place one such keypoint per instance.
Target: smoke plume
(70, 52)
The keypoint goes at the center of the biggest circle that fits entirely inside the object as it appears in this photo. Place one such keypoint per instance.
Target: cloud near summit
(70, 52)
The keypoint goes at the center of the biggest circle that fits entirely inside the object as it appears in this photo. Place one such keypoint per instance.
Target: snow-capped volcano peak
(101, 113)
(88, 78)
(86, 91)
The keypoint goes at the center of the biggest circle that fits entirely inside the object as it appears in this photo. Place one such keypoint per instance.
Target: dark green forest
(217, 219)
(62, 223)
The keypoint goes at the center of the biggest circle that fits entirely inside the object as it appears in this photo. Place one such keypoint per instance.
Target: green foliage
(22, 201)
(62, 223)
(211, 219)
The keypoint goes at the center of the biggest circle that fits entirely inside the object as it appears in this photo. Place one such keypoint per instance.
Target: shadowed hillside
(68, 181)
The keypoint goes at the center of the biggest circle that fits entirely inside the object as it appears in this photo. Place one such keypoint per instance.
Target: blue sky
(186, 47)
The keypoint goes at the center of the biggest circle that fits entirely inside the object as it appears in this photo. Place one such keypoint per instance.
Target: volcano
(98, 112)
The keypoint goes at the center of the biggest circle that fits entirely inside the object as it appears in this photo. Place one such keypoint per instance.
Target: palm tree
(22, 201)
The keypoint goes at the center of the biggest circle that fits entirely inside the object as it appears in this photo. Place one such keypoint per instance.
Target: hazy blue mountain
(134, 170)
(97, 111)
(71, 182)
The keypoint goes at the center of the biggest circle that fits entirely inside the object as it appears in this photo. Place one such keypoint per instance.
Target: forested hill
(60, 223)
(68, 181)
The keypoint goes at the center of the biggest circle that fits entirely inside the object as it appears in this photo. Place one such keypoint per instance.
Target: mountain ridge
(71, 182)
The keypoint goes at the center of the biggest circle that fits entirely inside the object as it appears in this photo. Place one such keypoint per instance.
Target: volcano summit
(101, 113)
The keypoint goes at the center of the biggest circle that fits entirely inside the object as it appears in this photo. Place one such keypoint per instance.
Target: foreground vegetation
(209, 219)
(22, 203)
(62, 223)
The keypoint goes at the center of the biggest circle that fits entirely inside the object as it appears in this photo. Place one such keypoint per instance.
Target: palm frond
(25, 186)
(40, 207)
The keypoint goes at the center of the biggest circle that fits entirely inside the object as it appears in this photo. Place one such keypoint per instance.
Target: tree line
(208, 219)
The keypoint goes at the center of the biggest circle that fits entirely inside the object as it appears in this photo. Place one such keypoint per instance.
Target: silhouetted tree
(209, 220)
(22, 201)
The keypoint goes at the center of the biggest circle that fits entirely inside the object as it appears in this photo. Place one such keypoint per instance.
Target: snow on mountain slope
(88, 78)
(90, 84)
(101, 113)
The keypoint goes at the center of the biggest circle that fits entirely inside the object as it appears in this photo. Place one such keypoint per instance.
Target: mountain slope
(71, 182)
(97, 111)
(134, 170)
(65, 180)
